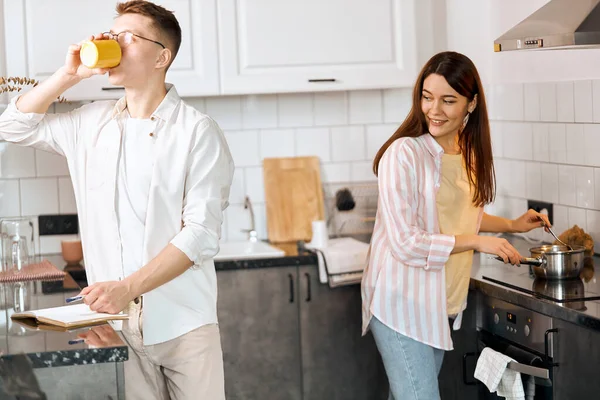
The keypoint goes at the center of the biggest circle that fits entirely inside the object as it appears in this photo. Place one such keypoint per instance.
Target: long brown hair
(474, 140)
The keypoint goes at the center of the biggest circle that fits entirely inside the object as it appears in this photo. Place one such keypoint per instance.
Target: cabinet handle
(308, 292)
(113, 88)
(547, 344)
(291, 287)
(464, 371)
(321, 80)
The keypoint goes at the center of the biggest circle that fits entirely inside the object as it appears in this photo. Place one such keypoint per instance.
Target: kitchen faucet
(252, 235)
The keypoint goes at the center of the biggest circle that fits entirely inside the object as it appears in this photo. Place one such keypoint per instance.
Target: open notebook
(69, 317)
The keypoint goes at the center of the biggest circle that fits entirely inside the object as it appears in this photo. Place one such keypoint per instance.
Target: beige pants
(187, 367)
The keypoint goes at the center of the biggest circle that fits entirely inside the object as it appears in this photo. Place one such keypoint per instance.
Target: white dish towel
(492, 370)
(344, 256)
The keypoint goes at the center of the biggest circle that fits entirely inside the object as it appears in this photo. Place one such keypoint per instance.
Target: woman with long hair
(435, 174)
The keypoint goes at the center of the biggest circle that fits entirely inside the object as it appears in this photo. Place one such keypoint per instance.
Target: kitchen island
(62, 363)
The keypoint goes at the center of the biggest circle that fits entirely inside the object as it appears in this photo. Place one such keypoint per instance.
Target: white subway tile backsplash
(238, 188)
(516, 207)
(237, 219)
(518, 140)
(509, 98)
(255, 184)
(366, 107)
(577, 216)
(517, 181)
(548, 104)
(496, 135)
(396, 104)
(51, 244)
(339, 172)
(583, 101)
(295, 110)
(541, 145)
(557, 135)
(561, 219)
(227, 111)
(39, 196)
(244, 147)
(532, 102)
(348, 143)
(567, 184)
(591, 134)
(377, 135)
(9, 198)
(50, 164)
(66, 196)
(313, 142)
(550, 187)
(362, 172)
(593, 227)
(331, 108)
(585, 187)
(534, 180)
(16, 161)
(259, 111)
(596, 100)
(565, 102)
(503, 175)
(260, 218)
(575, 144)
(277, 143)
(597, 189)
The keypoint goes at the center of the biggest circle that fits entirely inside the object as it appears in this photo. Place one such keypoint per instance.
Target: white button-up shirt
(189, 190)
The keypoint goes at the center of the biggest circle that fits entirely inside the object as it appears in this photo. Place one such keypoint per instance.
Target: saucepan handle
(540, 262)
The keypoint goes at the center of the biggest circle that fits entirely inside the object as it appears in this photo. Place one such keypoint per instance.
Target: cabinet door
(337, 362)
(258, 320)
(577, 352)
(451, 382)
(313, 45)
(40, 32)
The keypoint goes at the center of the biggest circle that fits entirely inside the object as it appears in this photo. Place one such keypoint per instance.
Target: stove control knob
(527, 330)
(496, 318)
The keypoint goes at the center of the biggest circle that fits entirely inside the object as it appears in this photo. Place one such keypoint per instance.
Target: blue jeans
(412, 367)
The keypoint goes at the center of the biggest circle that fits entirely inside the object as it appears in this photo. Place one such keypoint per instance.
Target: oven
(525, 336)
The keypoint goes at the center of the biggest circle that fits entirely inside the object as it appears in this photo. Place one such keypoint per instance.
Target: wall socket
(66, 224)
(541, 205)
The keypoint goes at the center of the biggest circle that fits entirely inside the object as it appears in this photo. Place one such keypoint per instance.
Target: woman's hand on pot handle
(529, 221)
(500, 247)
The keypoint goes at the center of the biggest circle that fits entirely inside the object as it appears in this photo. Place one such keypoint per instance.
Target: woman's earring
(465, 120)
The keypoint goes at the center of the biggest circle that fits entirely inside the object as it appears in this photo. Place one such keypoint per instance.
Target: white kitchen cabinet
(315, 45)
(40, 31)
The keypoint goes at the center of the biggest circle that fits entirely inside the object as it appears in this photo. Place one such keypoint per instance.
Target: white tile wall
(343, 129)
(545, 139)
(565, 140)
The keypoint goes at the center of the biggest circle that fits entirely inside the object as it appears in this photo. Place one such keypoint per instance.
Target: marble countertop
(53, 348)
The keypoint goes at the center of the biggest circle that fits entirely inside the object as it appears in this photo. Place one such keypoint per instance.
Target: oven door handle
(529, 370)
(464, 369)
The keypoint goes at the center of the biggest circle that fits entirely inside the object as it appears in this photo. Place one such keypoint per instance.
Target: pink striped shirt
(404, 283)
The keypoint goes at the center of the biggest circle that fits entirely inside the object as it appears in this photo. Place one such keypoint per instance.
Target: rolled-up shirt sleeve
(206, 196)
(409, 243)
(55, 133)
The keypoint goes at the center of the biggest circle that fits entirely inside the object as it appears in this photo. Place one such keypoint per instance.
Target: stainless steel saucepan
(555, 261)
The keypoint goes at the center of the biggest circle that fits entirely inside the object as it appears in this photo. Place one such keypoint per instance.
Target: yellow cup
(100, 53)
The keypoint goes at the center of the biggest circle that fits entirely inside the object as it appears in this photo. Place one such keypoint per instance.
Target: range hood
(559, 24)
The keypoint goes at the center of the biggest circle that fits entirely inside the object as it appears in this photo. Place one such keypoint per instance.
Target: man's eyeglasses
(125, 38)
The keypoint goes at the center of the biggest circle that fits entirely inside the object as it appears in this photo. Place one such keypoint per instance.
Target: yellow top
(457, 216)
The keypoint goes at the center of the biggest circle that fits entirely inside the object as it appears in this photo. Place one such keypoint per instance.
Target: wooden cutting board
(294, 197)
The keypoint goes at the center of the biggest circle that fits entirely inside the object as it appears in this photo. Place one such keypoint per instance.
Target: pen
(75, 298)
